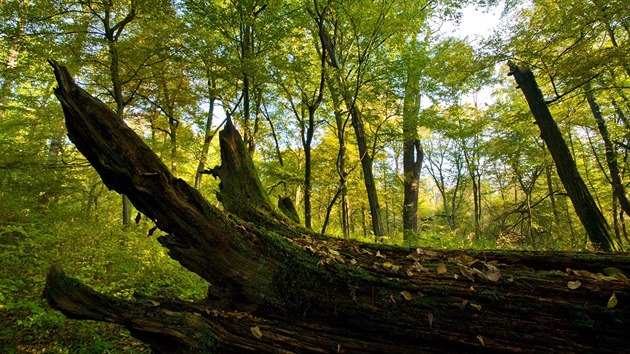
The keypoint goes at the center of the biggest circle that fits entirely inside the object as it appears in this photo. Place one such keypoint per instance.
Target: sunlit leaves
(441, 269)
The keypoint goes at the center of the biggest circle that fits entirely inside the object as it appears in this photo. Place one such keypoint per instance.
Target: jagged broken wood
(277, 287)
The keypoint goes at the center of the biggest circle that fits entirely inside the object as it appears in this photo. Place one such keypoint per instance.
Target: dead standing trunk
(298, 294)
(583, 202)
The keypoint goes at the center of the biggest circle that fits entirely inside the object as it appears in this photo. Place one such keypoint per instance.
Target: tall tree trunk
(412, 154)
(365, 158)
(312, 106)
(472, 166)
(307, 184)
(552, 195)
(248, 14)
(591, 217)
(349, 97)
(208, 134)
(611, 153)
(367, 167)
(342, 172)
(172, 126)
(112, 35)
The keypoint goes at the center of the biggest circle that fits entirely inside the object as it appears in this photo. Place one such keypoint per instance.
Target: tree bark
(208, 134)
(368, 173)
(286, 206)
(342, 171)
(288, 291)
(349, 97)
(591, 217)
(611, 154)
(412, 154)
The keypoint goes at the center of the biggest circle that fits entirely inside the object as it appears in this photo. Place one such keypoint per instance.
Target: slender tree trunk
(172, 125)
(307, 185)
(349, 97)
(475, 178)
(611, 154)
(586, 164)
(112, 35)
(368, 174)
(248, 15)
(120, 109)
(329, 209)
(412, 154)
(552, 195)
(208, 133)
(591, 217)
(312, 106)
(342, 172)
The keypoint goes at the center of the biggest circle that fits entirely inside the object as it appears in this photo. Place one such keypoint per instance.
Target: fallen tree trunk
(277, 287)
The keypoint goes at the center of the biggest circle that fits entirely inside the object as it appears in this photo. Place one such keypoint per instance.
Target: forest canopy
(364, 119)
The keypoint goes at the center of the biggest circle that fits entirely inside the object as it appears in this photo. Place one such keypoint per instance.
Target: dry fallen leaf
(419, 267)
(407, 295)
(493, 273)
(431, 254)
(574, 284)
(465, 272)
(154, 303)
(441, 269)
(430, 318)
(475, 306)
(387, 265)
(378, 254)
(256, 332)
(612, 302)
(413, 257)
(480, 337)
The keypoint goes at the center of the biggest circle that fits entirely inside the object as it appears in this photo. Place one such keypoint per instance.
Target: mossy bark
(278, 288)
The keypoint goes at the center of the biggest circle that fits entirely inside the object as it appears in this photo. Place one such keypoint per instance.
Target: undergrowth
(108, 258)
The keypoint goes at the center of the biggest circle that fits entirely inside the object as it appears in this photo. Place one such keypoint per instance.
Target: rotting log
(276, 288)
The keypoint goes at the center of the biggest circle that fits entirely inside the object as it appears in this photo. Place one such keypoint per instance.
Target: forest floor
(117, 262)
